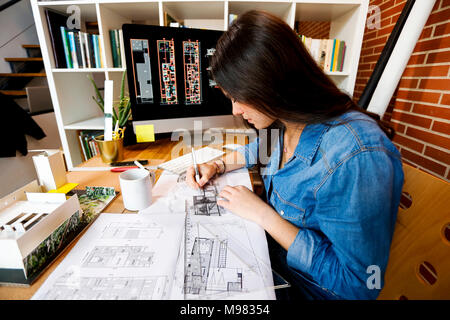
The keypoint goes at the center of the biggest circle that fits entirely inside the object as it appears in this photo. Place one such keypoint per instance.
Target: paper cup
(136, 187)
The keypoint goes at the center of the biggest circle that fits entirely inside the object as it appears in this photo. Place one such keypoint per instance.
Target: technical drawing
(207, 269)
(167, 71)
(140, 56)
(107, 288)
(206, 203)
(192, 75)
(132, 231)
(119, 257)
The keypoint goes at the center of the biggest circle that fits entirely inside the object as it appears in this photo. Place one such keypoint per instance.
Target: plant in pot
(112, 151)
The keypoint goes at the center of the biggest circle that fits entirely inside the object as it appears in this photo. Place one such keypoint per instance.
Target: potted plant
(112, 151)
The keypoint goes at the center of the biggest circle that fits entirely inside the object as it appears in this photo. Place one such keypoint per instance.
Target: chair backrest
(419, 261)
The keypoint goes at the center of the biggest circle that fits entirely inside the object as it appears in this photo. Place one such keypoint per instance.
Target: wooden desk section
(155, 152)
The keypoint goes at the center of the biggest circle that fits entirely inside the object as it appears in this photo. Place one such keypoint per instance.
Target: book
(339, 58)
(55, 21)
(73, 53)
(329, 54)
(100, 51)
(90, 45)
(95, 47)
(343, 57)
(112, 39)
(122, 49)
(118, 50)
(82, 51)
(322, 53)
(78, 52)
(67, 53)
(333, 50)
(86, 49)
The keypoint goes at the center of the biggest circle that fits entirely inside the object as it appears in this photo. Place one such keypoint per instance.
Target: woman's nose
(236, 110)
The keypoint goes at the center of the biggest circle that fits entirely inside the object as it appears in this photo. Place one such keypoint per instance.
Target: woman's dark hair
(260, 61)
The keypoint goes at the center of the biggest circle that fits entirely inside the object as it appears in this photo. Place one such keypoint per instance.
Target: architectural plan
(140, 56)
(167, 71)
(121, 256)
(192, 72)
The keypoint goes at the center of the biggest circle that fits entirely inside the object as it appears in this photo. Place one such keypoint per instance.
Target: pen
(197, 175)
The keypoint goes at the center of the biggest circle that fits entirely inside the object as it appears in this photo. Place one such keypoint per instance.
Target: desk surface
(155, 152)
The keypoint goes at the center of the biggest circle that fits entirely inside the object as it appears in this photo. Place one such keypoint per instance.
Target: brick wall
(313, 29)
(420, 107)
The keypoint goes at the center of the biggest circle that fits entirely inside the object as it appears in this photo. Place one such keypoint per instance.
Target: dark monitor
(168, 78)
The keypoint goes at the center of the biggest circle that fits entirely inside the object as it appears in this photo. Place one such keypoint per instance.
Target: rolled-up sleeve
(250, 153)
(356, 211)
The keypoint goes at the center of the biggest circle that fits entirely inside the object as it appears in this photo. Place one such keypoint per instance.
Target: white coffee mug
(136, 187)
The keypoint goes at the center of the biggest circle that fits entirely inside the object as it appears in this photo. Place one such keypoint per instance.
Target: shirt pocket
(288, 210)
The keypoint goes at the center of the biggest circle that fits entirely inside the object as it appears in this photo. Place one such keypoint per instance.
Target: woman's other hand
(243, 202)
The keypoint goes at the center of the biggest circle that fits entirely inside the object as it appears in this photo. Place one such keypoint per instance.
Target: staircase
(25, 71)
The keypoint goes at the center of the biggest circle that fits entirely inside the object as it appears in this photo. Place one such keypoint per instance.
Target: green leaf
(99, 96)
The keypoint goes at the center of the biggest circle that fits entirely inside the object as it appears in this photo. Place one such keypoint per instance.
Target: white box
(35, 228)
(50, 169)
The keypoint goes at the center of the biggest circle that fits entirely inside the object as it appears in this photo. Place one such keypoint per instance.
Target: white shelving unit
(72, 92)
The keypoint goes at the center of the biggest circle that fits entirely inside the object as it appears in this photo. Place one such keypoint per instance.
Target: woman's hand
(244, 203)
(206, 172)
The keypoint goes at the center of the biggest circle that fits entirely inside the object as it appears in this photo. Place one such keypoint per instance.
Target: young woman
(333, 179)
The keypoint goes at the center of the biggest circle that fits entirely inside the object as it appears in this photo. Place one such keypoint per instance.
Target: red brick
(442, 29)
(422, 96)
(432, 44)
(398, 127)
(441, 127)
(426, 33)
(437, 112)
(412, 119)
(371, 58)
(378, 49)
(409, 143)
(435, 84)
(392, 11)
(426, 71)
(364, 67)
(448, 175)
(385, 30)
(438, 155)
(408, 83)
(409, 163)
(423, 162)
(438, 57)
(370, 35)
(417, 59)
(445, 100)
(365, 52)
(364, 73)
(375, 42)
(395, 18)
(402, 105)
(437, 17)
(445, 3)
(428, 137)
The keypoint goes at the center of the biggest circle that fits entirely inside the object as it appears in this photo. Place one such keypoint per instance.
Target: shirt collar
(309, 142)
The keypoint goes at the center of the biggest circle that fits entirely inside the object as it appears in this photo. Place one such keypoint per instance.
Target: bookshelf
(71, 91)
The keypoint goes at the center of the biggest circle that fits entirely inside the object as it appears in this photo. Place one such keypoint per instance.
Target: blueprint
(121, 256)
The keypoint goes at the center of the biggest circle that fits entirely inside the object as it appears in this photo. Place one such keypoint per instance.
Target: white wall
(17, 28)
(17, 171)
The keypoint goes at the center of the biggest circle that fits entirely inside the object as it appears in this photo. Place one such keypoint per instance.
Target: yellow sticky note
(64, 189)
(145, 133)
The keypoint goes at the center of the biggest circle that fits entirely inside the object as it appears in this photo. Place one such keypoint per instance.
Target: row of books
(117, 50)
(81, 49)
(88, 145)
(328, 53)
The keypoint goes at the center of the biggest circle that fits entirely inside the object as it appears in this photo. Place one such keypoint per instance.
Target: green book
(339, 59)
(112, 39)
(119, 53)
(65, 41)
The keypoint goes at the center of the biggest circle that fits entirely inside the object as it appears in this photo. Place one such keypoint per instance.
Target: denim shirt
(342, 189)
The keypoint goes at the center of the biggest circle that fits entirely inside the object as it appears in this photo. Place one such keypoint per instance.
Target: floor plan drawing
(119, 256)
(132, 231)
(205, 204)
(167, 71)
(108, 288)
(192, 72)
(142, 73)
